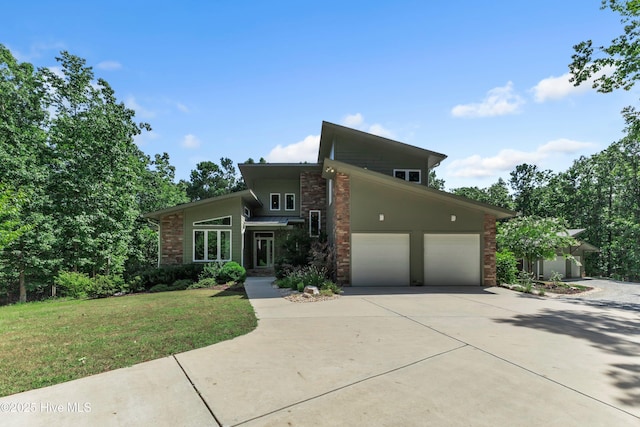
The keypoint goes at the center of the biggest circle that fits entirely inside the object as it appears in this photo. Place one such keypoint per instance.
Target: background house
(369, 196)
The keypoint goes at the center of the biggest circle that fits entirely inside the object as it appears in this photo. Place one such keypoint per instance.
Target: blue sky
(482, 82)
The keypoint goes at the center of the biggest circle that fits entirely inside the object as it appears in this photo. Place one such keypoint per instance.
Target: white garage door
(452, 259)
(379, 259)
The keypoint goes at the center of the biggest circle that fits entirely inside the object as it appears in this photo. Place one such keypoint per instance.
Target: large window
(289, 202)
(411, 175)
(275, 202)
(314, 223)
(211, 245)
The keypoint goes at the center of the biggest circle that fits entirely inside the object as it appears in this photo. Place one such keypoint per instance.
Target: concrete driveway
(378, 357)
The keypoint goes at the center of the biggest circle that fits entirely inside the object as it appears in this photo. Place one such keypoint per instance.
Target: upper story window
(275, 202)
(247, 212)
(289, 202)
(411, 175)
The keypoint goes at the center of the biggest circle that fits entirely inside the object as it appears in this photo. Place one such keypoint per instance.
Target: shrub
(313, 276)
(181, 284)
(160, 287)
(556, 277)
(300, 287)
(506, 266)
(330, 286)
(72, 285)
(210, 271)
(204, 283)
(232, 272)
(168, 274)
(106, 286)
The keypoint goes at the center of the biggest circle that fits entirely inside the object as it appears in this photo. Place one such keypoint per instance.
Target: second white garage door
(452, 259)
(380, 259)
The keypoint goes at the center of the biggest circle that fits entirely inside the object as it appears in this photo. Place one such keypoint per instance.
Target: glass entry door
(263, 250)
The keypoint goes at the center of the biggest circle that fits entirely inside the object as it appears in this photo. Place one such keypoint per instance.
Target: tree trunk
(23, 288)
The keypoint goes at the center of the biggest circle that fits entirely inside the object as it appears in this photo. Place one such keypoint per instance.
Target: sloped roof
(331, 166)
(332, 130)
(247, 195)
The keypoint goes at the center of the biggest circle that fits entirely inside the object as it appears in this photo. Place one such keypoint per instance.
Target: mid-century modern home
(367, 195)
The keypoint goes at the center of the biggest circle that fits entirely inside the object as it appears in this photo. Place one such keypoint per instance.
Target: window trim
(407, 172)
(206, 232)
(200, 223)
(311, 212)
(271, 208)
(286, 195)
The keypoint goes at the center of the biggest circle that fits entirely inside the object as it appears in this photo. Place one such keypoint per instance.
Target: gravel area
(607, 293)
(293, 296)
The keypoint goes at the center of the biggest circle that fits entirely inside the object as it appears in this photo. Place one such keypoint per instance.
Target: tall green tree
(24, 157)
(96, 166)
(211, 180)
(497, 194)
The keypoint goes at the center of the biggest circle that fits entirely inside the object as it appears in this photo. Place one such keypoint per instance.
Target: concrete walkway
(377, 357)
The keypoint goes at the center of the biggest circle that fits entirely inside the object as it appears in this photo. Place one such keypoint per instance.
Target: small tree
(532, 238)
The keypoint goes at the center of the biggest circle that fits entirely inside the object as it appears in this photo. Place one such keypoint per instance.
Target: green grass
(45, 343)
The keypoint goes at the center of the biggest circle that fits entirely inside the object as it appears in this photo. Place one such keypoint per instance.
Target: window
(225, 220)
(314, 223)
(289, 202)
(275, 201)
(211, 245)
(247, 212)
(411, 175)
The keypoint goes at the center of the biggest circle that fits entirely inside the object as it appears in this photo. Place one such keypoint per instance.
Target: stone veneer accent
(489, 251)
(342, 227)
(313, 196)
(171, 239)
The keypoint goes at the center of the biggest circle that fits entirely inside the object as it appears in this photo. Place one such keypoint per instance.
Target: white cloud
(353, 120)
(109, 65)
(553, 88)
(302, 151)
(564, 145)
(141, 112)
(506, 160)
(556, 88)
(190, 141)
(182, 107)
(356, 121)
(499, 101)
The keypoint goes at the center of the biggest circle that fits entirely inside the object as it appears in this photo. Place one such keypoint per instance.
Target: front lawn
(50, 342)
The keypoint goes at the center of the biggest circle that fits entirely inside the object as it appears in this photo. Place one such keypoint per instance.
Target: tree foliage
(211, 180)
(67, 149)
(532, 238)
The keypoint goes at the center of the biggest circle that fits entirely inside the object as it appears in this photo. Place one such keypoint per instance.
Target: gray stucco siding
(406, 212)
(229, 207)
(263, 190)
(379, 160)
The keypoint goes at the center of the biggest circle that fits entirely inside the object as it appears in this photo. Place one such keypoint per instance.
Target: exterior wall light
(453, 218)
(381, 217)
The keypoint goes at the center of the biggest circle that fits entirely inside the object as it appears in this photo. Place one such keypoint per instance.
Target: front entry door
(263, 250)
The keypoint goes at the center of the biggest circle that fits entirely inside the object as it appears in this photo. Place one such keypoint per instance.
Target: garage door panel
(452, 259)
(380, 259)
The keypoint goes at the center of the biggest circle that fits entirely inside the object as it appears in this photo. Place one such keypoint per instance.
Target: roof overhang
(251, 172)
(331, 167)
(247, 196)
(272, 221)
(332, 131)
